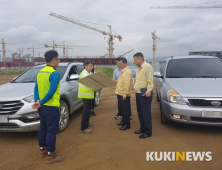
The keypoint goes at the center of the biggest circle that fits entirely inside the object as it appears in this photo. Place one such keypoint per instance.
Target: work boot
(54, 158)
(43, 153)
(87, 131)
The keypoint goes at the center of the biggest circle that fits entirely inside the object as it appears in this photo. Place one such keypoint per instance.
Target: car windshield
(194, 68)
(31, 75)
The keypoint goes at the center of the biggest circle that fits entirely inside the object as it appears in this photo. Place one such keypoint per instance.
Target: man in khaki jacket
(144, 95)
(123, 91)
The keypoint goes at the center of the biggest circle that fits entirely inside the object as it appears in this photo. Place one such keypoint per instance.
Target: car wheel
(157, 97)
(163, 118)
(64, 116)
(97, 98)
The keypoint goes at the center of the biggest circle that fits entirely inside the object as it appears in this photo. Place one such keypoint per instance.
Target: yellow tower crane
(67, 47)
(3, 49)
(64, 47)
(111, 35)
(33, 50)
(58, 46)
(154, 37)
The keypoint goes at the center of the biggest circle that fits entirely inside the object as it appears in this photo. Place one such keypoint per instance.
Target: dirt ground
(108, 148)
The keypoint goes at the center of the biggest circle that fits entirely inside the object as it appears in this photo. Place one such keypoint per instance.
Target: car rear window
(194, 68)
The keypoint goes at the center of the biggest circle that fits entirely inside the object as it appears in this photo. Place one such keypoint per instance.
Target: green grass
(11, 71)
(105, 70)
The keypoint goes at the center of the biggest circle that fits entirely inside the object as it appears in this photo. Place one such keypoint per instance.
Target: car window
(30, 75)
(80, 68)
(194, 68)
(162, 68)
(73, 70)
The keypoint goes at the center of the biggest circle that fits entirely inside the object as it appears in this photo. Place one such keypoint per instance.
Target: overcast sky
(27, 23)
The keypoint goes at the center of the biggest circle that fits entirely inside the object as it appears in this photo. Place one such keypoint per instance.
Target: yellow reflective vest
(44, 86)
(85, 92)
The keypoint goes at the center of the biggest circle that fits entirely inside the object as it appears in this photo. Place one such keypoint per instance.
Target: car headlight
(31, 115)
(29, 99)
(174, 97)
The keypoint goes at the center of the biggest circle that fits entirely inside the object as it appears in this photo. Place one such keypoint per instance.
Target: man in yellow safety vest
(87, 96)
(47, 101)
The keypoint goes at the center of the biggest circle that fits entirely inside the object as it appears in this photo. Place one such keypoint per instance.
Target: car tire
(163, 118)
(157, 97)
(97, 98)
(64, 116)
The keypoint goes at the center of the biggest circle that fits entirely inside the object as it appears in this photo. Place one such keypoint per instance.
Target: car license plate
(3, 120)
(211, 114)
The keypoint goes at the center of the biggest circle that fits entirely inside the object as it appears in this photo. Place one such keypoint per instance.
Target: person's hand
(147, 95)
(124, 98)
(116, 81)
(36, 105)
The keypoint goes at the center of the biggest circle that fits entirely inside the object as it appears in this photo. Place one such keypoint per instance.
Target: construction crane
(33, 50)
(185, 7)
(126, 53)
(154, 37)
(110, 42)
(21, 51)
(39, 53)
(53, 46)
(67, 47)
(3, 49)
(58, 46)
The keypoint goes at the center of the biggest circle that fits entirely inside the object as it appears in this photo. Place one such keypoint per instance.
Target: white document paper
(97, 81)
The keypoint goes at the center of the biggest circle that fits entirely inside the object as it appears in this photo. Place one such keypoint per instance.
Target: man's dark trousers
(125, 109)
(144, 113)
(120, 113)
(49, 127)
(88, 103)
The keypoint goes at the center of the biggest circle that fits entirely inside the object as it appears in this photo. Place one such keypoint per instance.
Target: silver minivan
(189, 90)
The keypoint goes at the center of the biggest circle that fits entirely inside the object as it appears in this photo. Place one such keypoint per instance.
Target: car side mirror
(14, 78)
(74, 77)
(158, 75)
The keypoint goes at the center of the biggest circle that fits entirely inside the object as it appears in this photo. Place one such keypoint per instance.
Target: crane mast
(110, 41)
(154, 37)
(3, 49)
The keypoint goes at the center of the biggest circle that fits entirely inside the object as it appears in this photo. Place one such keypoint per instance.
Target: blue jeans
(49, 127)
